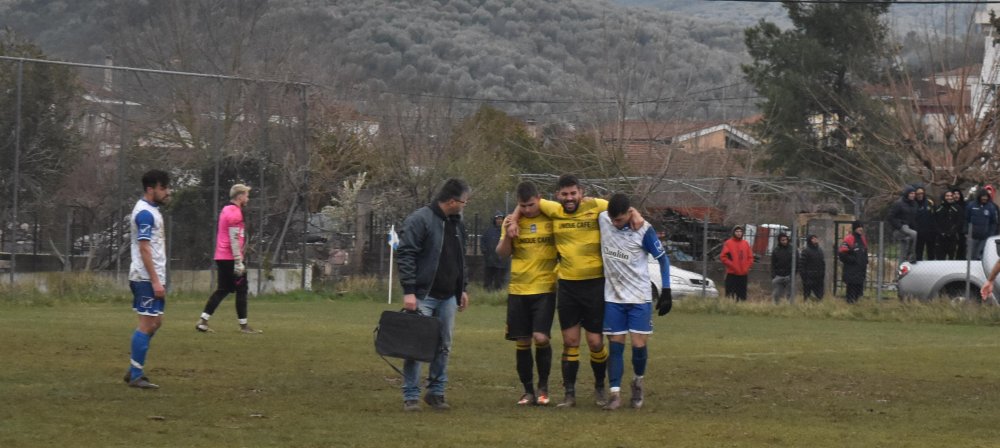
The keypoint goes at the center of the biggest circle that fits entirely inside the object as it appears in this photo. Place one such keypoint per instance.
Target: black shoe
(600, 396)
(411, 406)
(569, 400)
(436, 402)
(142, 383)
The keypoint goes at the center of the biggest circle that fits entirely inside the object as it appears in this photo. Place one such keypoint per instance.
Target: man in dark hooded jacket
(781, 270)
(982, 215)
(925, 225)
(853, 252)
(903, 219)
(494, 268)
(949, 218)
(812, 268)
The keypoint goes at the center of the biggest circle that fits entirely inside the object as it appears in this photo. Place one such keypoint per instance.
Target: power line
(870, 2)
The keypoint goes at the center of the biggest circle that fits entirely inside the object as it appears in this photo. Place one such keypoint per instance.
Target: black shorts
(227, 279)
(582, 302)
(527, 314)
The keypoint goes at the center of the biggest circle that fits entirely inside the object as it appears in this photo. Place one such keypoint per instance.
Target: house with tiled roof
(680, 149)
(671, 155)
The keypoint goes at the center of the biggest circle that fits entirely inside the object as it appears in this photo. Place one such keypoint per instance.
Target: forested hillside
(903, 18)
(532, 57)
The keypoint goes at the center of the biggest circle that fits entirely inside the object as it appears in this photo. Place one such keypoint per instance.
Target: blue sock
(639, 360)
(140, 345)
(616, 364)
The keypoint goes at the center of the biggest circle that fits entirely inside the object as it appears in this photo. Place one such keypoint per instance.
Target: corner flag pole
(393, 244)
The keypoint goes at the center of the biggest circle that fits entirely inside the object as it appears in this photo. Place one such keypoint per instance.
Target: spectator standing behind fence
(853, 252)
(925, 225)
(781, 270)
(494, 267)
(738, 258)
(812, 267)
(963, 234)
(431, 263)
(230, 245)
(949, 219)
(982, 216)
(903, 219)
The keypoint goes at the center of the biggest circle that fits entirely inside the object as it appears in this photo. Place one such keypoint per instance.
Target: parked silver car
(683, 283)
(931, 279)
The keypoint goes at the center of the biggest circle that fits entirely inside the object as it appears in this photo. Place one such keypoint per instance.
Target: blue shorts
(143, 300)
(622, 318)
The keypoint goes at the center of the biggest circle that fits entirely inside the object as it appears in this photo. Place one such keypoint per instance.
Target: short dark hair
(783, 235)
(152, 178)
(618, 205)
(526, 191)
(452, 188)
(567, 180)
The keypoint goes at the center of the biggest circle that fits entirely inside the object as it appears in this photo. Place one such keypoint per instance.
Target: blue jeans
(444, 310)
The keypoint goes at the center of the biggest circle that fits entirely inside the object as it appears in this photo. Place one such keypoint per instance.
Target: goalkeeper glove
(239, 268)
(664, 302)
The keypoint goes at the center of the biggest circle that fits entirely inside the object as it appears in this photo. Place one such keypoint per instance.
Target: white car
(683, 283)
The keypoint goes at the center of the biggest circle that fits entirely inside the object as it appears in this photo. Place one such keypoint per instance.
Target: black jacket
(853, 252)
(488, 247)
(812, 265)
(903, 212)
(925, 216)
(420, 249)
(949, 218)
(781, 261)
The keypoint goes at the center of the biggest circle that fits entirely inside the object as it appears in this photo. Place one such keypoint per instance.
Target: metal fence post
(17, 167)
(880, 277)
(704, 255)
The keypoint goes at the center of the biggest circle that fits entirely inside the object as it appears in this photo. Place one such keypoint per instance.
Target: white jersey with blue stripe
(626, 272)
(146, 224)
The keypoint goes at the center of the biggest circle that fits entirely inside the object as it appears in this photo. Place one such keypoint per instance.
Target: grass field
(719, 375)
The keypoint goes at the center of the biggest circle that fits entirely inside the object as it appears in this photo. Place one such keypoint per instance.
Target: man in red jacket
(737, 257)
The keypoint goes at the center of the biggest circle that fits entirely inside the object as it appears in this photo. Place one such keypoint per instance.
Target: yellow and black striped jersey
(578, 238)
(533, 258)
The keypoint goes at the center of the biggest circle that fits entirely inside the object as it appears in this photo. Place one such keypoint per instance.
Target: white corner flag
(393, 245)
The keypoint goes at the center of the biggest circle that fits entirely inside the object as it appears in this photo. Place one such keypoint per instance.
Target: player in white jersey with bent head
(627, 296)
(147, 274)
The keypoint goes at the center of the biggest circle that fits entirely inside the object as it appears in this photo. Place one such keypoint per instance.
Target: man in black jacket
(494, 268)
(781, 270)
(925, 225)
(431, 262)
(949, 219)
(853, 252)
(903, 219)
(812, 267)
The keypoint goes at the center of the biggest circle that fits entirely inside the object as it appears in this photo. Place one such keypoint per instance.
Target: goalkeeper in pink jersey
(229, 260)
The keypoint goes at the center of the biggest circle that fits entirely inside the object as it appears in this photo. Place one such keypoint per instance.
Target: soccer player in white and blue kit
(148, 272)
(627, 293)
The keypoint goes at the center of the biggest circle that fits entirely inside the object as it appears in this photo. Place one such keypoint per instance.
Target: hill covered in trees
(903, 18)
(559, 57)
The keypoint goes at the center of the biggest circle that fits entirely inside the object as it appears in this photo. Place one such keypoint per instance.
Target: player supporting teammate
(580, 297)
(147, 274)
(628, 307)
(531, 292)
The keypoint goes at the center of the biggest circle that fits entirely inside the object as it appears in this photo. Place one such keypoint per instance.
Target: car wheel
(955, 292)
